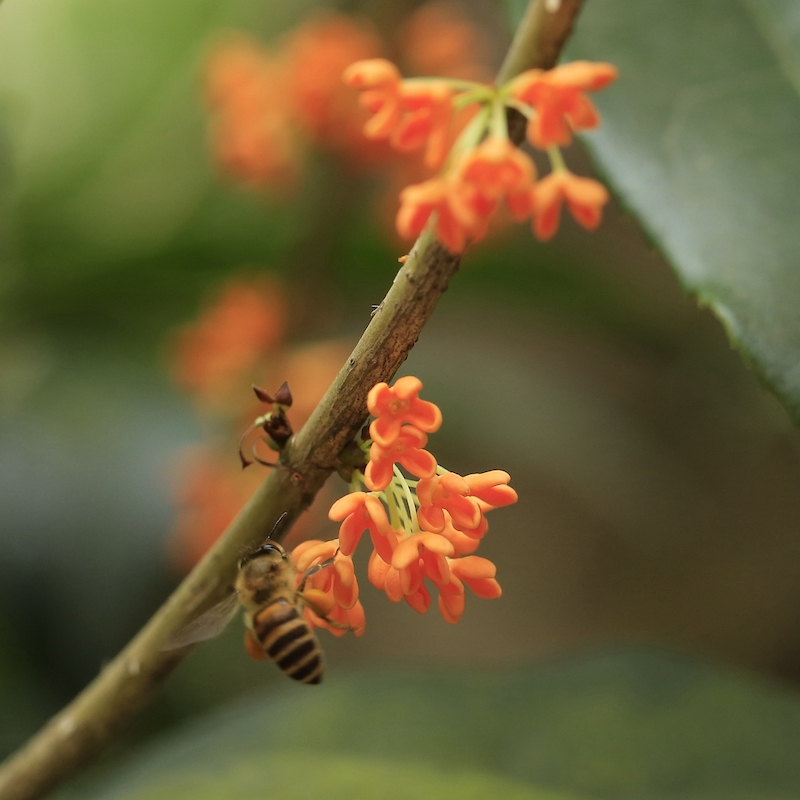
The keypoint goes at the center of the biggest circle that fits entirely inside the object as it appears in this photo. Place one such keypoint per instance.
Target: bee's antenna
(281, 518)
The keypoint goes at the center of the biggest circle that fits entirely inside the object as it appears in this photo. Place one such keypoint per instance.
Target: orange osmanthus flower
(423, 530)
(316, 54)
(585, 198)
(398, 405)
(429, 108)
(558, 97)
(332, 591)
(379, 81)
(341, 573)
(246, 321)
(491, 488)
(440, 39)
(408, 113)
(251, 123)
(448, 492)
(405, 450)
(478, 573)
(359, 512)
(422, 554)
(496, 167)
(454, 203)
(463, 543)
(387, 579)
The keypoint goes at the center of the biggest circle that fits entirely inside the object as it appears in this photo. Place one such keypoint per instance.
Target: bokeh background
(155, 260)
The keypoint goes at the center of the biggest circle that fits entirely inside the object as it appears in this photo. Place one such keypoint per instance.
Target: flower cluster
(268, 104)
(425, 529)
(484, 168)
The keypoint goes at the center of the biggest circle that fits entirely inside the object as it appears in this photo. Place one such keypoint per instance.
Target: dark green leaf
(701, 139)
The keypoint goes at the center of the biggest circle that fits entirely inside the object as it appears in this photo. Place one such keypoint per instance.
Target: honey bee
(273, 614)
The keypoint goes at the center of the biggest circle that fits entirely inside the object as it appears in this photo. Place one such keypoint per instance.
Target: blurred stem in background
(75, 735)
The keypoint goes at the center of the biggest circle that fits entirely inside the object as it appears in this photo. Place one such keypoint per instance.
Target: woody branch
(75, 735)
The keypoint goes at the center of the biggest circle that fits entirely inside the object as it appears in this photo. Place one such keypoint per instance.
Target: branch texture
(84, 727)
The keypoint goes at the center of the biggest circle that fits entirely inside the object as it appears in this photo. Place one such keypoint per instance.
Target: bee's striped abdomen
(287, 638)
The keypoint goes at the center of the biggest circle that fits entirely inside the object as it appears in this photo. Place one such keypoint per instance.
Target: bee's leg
(314, 570)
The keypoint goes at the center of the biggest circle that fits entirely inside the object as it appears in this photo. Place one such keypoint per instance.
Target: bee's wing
(208, 625)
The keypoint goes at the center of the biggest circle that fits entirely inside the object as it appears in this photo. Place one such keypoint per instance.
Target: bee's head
(261, 567)
(267, 553)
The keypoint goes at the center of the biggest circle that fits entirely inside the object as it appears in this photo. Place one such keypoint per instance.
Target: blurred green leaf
(114, 191)
(299, 775)
(701, 139)
(619, 725)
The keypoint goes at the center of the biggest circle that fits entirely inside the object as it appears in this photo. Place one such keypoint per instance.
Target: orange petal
(357, 619)
(582, 113)
(394, 591)
(435, 567)
(345, 572)
(487, 588)
(346, 505)
(384, 430)
(451, 607)
(525, 84)
(302, 547)
(345, 596)
(586, 198)
(548, 127)
(418, 462)
(378, 475)
(371, 72)
(410, 578)
(412, 218)
(463, 544)
(425, 415)
(491, 488)
(589, 76)
(383, 546)
(407, 387)
(464, 512)
(453, 483)
(349, 536)
(520, 204)
(376, 571)
(450, 233)
(478, 481)
(408, 550)
(412, 132)
(377, 398)
(320, 552)
(431, 518)
(547, 196)
(420, 601)
(473, 567)
(588, 217)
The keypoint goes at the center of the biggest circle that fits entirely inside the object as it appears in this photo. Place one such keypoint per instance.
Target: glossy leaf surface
(701, 141)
